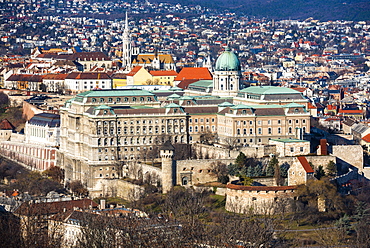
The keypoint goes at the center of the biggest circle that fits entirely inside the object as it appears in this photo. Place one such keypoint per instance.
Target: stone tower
(167, 153)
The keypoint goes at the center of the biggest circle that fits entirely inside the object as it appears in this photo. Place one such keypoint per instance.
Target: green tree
(241, 160)
(320, 173)
(331, 169)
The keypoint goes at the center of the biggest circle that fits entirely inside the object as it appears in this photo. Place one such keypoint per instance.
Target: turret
(167, 152)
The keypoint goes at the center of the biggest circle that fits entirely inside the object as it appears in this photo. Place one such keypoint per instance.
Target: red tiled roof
(310, 106)
(200, 73)
(6, 125)
(366, 138)
(300, 89)
(163, 73)
(260, 188)
(184, 84)
(306, 166)
(47, 208)
(88, 75)
(351, 111)
(59, 76)
(134, 70)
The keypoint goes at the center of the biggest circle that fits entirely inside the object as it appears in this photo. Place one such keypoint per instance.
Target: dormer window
(110, 99)
(93, 100)
(126, 99)
(141, 99)
(105, 112)
(134, 99)
(175, 110)
(101, 99)
(118, 99)
(244, 112)
(296, 110)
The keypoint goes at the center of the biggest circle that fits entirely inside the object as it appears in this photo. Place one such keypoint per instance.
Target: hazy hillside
(294, 9)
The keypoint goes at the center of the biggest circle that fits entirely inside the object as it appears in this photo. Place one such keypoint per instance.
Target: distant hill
(353, 10)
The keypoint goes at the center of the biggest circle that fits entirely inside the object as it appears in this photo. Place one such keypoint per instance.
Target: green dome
(227, 61)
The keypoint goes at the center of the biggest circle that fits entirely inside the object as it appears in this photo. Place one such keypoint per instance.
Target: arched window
(185, 180)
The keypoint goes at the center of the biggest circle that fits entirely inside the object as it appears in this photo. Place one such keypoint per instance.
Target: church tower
(227, 74)
(126, 47)
(167, 153)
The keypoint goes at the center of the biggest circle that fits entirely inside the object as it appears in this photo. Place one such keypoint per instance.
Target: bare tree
(230, 143)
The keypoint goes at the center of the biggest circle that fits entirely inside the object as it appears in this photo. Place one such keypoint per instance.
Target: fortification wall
(213, 152)
(197, 171)
(259, 199)
(118, 188)
(349, 155)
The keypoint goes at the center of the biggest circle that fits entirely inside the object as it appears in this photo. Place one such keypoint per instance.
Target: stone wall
(315, 160)
(215, 152)
(349, 155)
(118, 188)
(259, 199)
(192, 172)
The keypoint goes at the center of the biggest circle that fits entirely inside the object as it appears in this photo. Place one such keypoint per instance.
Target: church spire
(126, 46)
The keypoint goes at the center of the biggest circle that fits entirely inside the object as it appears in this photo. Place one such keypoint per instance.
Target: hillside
(294, 9)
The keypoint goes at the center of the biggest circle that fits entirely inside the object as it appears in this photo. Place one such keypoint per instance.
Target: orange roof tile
(306, 166)
(134, 70)
(200, 73)
(163, 73)
(366, 138)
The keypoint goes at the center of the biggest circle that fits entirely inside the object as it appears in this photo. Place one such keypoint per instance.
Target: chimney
(102, 204)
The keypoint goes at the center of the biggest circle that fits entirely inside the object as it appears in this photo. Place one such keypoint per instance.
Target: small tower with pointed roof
(167, 152)
(126, 47)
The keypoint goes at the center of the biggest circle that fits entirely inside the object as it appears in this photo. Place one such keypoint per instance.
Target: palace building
(101, 130)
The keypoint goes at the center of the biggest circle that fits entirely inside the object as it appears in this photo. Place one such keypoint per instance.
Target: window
(290, 130)
(101, 99)
(250, 122)
(292, 149)
(290, 121)
(250, 131)
(110, 99)
(259, 130)
(259, 122)
(279, 122)
(301, 149)
(269, 122)
(269, 130)
(304, 121)
(190, 129)
(118, 99)
(279, 130)
(93, 100)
